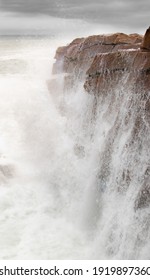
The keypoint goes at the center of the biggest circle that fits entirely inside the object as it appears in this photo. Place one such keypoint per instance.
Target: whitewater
(59, 199)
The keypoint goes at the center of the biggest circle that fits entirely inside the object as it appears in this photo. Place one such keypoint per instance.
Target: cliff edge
(115, 69)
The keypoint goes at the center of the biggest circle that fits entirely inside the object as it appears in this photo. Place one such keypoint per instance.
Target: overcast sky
(50, 16)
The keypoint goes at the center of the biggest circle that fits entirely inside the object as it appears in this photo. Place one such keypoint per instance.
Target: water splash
(72, 165)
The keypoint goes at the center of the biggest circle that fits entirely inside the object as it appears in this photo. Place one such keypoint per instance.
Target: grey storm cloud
(127, 13)
(99, 10)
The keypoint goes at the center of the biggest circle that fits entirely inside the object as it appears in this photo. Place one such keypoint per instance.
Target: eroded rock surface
(116, 70)
(77, 57)
(146, 41)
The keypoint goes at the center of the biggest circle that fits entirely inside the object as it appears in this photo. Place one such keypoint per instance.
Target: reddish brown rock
(60, 52)
(112, 66)
(116, 70)
(77, 57)
(65, 56)
(102, 60)
(146, 41)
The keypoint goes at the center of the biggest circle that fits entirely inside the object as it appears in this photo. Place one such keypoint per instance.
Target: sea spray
(70, 194)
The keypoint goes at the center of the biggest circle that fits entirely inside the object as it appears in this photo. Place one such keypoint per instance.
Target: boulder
(145, 46)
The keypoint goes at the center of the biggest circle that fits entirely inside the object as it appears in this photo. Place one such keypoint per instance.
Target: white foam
(56, 205)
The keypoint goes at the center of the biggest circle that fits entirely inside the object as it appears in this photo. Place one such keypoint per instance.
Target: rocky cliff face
(78, 57)
(99, 58)
(116, 70)
(79, 54)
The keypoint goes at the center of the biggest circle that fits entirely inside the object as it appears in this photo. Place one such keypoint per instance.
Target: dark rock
(143, 199)
(146, 41)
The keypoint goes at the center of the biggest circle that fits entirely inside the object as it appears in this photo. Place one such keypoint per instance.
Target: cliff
(98, 58)
(116, 70)
(79, 54)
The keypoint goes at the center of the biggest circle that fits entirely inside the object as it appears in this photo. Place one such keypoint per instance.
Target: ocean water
(66, 192)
